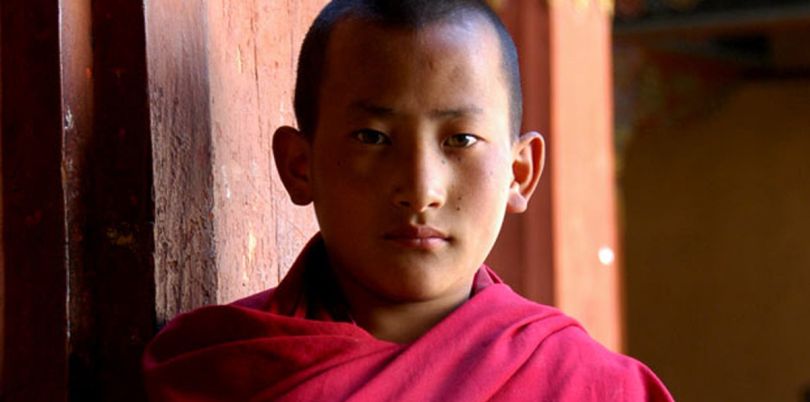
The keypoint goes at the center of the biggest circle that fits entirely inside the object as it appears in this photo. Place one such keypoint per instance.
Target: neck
(398, 321)
(402, 323)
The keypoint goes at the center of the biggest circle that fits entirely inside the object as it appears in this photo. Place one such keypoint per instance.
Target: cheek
(344, 181)
(363, 169)
(483, 187)
(335, 164)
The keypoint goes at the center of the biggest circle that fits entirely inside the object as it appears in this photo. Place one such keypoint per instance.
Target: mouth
(417, 237)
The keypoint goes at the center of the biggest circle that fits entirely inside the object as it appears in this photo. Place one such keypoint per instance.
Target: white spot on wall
(254, 168)
(606, 256)
(69, 120)
(239, 63)
(251, 247)
(225, 182)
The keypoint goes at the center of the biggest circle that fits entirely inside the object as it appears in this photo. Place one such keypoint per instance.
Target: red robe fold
(283, 345)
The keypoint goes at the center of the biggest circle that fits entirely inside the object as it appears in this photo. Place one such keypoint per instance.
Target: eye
(461, 141)
(371, 137)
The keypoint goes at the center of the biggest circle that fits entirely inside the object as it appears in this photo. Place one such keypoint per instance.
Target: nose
(420, 180)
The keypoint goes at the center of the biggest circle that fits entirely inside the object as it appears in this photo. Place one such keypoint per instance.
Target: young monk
(408, 147)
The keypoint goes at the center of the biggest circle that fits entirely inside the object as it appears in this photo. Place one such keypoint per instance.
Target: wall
(717, 247)
(221, 79)
(252, 56)
(2, 254)
(33, 213)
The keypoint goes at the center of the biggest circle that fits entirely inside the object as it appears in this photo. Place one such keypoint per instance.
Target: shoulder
(550, 354)
(593, 372)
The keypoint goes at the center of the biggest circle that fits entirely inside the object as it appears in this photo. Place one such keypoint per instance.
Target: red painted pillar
(76, 201)
(33, 204)
(221, 80)
(252, 57)
(563, 250)
(587, 279)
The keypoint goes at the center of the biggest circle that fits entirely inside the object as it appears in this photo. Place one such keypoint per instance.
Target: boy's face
(411, 166)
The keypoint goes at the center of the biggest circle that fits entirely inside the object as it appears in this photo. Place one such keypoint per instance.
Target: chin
(416, 287)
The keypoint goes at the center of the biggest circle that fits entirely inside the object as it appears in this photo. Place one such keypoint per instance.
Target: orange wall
(717, 249)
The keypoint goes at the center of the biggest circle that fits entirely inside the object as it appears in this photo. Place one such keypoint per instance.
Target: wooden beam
(185, 255)
(34, 253)
(110, 212)
(587, 277)
(252, 55)
(77, 209)
(221, 76)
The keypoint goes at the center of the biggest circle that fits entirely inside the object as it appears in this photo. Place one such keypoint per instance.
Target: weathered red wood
(221, 78)
(2, 230)
(77, 236)
(76, 56)
(34, 254)
(584, 221)
(185, 255)
(108, 182)
(252, 54)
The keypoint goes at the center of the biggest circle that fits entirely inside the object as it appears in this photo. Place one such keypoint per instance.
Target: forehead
(378, 33)
(447, 64)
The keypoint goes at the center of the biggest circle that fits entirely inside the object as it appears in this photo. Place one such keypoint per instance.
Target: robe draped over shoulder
(296, 343)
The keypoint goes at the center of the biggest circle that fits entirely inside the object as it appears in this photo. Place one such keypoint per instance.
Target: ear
(527, 166)
(292, 152)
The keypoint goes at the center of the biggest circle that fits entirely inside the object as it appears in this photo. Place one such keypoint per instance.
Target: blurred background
(672, 220)
(712, 134)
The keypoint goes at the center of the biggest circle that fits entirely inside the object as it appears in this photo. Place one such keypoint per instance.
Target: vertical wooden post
(76, 56)
(185, 273)
(34, 254)
(77, 209)
(587, 274)
(2, 228)
(567, 240)
(221, 78)
(108, 181)
(79, 296)
(252, 55)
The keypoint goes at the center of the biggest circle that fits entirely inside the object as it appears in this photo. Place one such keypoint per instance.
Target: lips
(421, 237)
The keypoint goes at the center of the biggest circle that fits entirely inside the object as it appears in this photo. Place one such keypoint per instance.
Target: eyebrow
(383, 111)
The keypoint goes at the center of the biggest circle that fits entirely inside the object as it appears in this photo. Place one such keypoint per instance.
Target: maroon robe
(297, 343)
